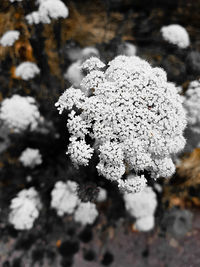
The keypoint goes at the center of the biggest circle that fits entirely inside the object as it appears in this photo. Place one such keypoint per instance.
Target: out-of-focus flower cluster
(18, 113)
(66, 201)
(192, 106)
(142, 206)
(176, 34)
(134, 115)
(27, 70)
(9, 38)
(48, 10)
(25, 209)
(30, 157)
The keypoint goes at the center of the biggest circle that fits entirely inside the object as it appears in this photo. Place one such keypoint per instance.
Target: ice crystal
(133, 114)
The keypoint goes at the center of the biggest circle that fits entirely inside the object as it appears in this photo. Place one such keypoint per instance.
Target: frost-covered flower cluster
(25, 209)
(134, 115)
(27, 70)
(64, 197)
(30, 157)
(19, 113)
(176, 34)
(48, 10)
(9, 38)
(142, 206)
(66, 201)
(192, 106)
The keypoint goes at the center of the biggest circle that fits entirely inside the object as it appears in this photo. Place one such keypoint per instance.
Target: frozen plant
(142, 206)
(27, 70)
(20, 112)
(176, 34)
(30, 157)
(9, 38)
(86, 213)
(102, 195)
(25, 209)
(133, 114)
(192, 106)
(64, 197)
(48, 10)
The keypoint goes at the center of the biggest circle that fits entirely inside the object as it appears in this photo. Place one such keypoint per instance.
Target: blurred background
(57, 41)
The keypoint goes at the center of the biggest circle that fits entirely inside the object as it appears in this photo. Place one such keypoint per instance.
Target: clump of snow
(192, 106)
(25, 209)
(27, 70)
(48, 10)
(86, 213)
(102, 195)
(9, 38)
(133, 114)
(30, 157)
(176, 34)
(19, 113)
(64, 197)
(142, 206)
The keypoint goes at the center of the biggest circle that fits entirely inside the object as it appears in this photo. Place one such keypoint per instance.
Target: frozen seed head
(24, 209)
(176, 34)
(30, 157)
(86, 213)
(64, 197)
(19, 113)
(9, 38)
(133, 114)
